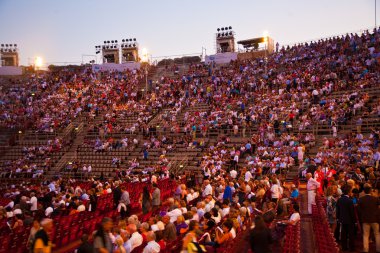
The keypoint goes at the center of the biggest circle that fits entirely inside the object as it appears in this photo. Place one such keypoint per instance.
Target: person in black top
(85, 247)
(208, 221)
(116, 195)
(260, 237)
(345, 215)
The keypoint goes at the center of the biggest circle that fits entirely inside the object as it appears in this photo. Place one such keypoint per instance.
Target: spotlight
(14, 50)
(108, 42)
(15, 45)
(2, 45)
(134, 39)
(112, 41)
(218, 35)
(38, 62)
(226, 28)
(222, 29)
(230, 27)
(123, 40)
(105, 42)
(134, 45)
(231, 33)
(130, 39)
(6, 45)
(218, 29)
(115, 41)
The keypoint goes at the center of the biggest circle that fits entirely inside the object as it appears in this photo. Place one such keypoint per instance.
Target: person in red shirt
(319, 176)
(330, 174)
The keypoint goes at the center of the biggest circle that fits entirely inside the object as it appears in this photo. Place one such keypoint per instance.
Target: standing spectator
(33, 202)
(156, 197)
(191, 236)
(345, 215)
(260, 237)
(35, 228)
(369, 213)
(228, 191)
(359, 124)
(331, 206)
(93, 200)
(145, 154)
(102, 240)
(42, 243)
(334, 129)
(208, 189)
(124, 203)
(116, 194)
(146, 200)
(312, 187)
(85, 246)
(275, 191)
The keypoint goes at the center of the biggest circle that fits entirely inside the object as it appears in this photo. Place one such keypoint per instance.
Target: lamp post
(38, 63)
(145, 60)
(265, 51)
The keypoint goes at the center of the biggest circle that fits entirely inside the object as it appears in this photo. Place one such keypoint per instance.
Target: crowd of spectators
(280, 96)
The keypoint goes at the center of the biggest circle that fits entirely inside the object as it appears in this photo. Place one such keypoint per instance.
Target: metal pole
(375, 16)
(146, 80)
(266, 58)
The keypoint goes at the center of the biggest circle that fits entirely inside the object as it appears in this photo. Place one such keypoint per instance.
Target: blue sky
(64, 30)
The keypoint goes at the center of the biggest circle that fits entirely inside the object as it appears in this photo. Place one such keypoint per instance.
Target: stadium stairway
(71, 154)
(307, 240)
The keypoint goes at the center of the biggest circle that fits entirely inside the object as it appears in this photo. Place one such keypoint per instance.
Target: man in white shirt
(210, 203)
(33, 202)
(247, 176)
(173, 214)
(208, 189)
(233, 173)
(312, 186)
(152, 246)
(135, 240)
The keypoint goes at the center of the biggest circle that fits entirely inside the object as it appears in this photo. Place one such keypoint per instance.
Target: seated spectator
(170, 233)
(181, 225)
(152, 246)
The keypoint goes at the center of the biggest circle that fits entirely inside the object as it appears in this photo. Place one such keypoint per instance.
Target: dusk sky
(62, 31)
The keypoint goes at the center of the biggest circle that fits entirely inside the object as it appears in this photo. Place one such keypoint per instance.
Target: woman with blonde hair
(190, 242)
(180, 225)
